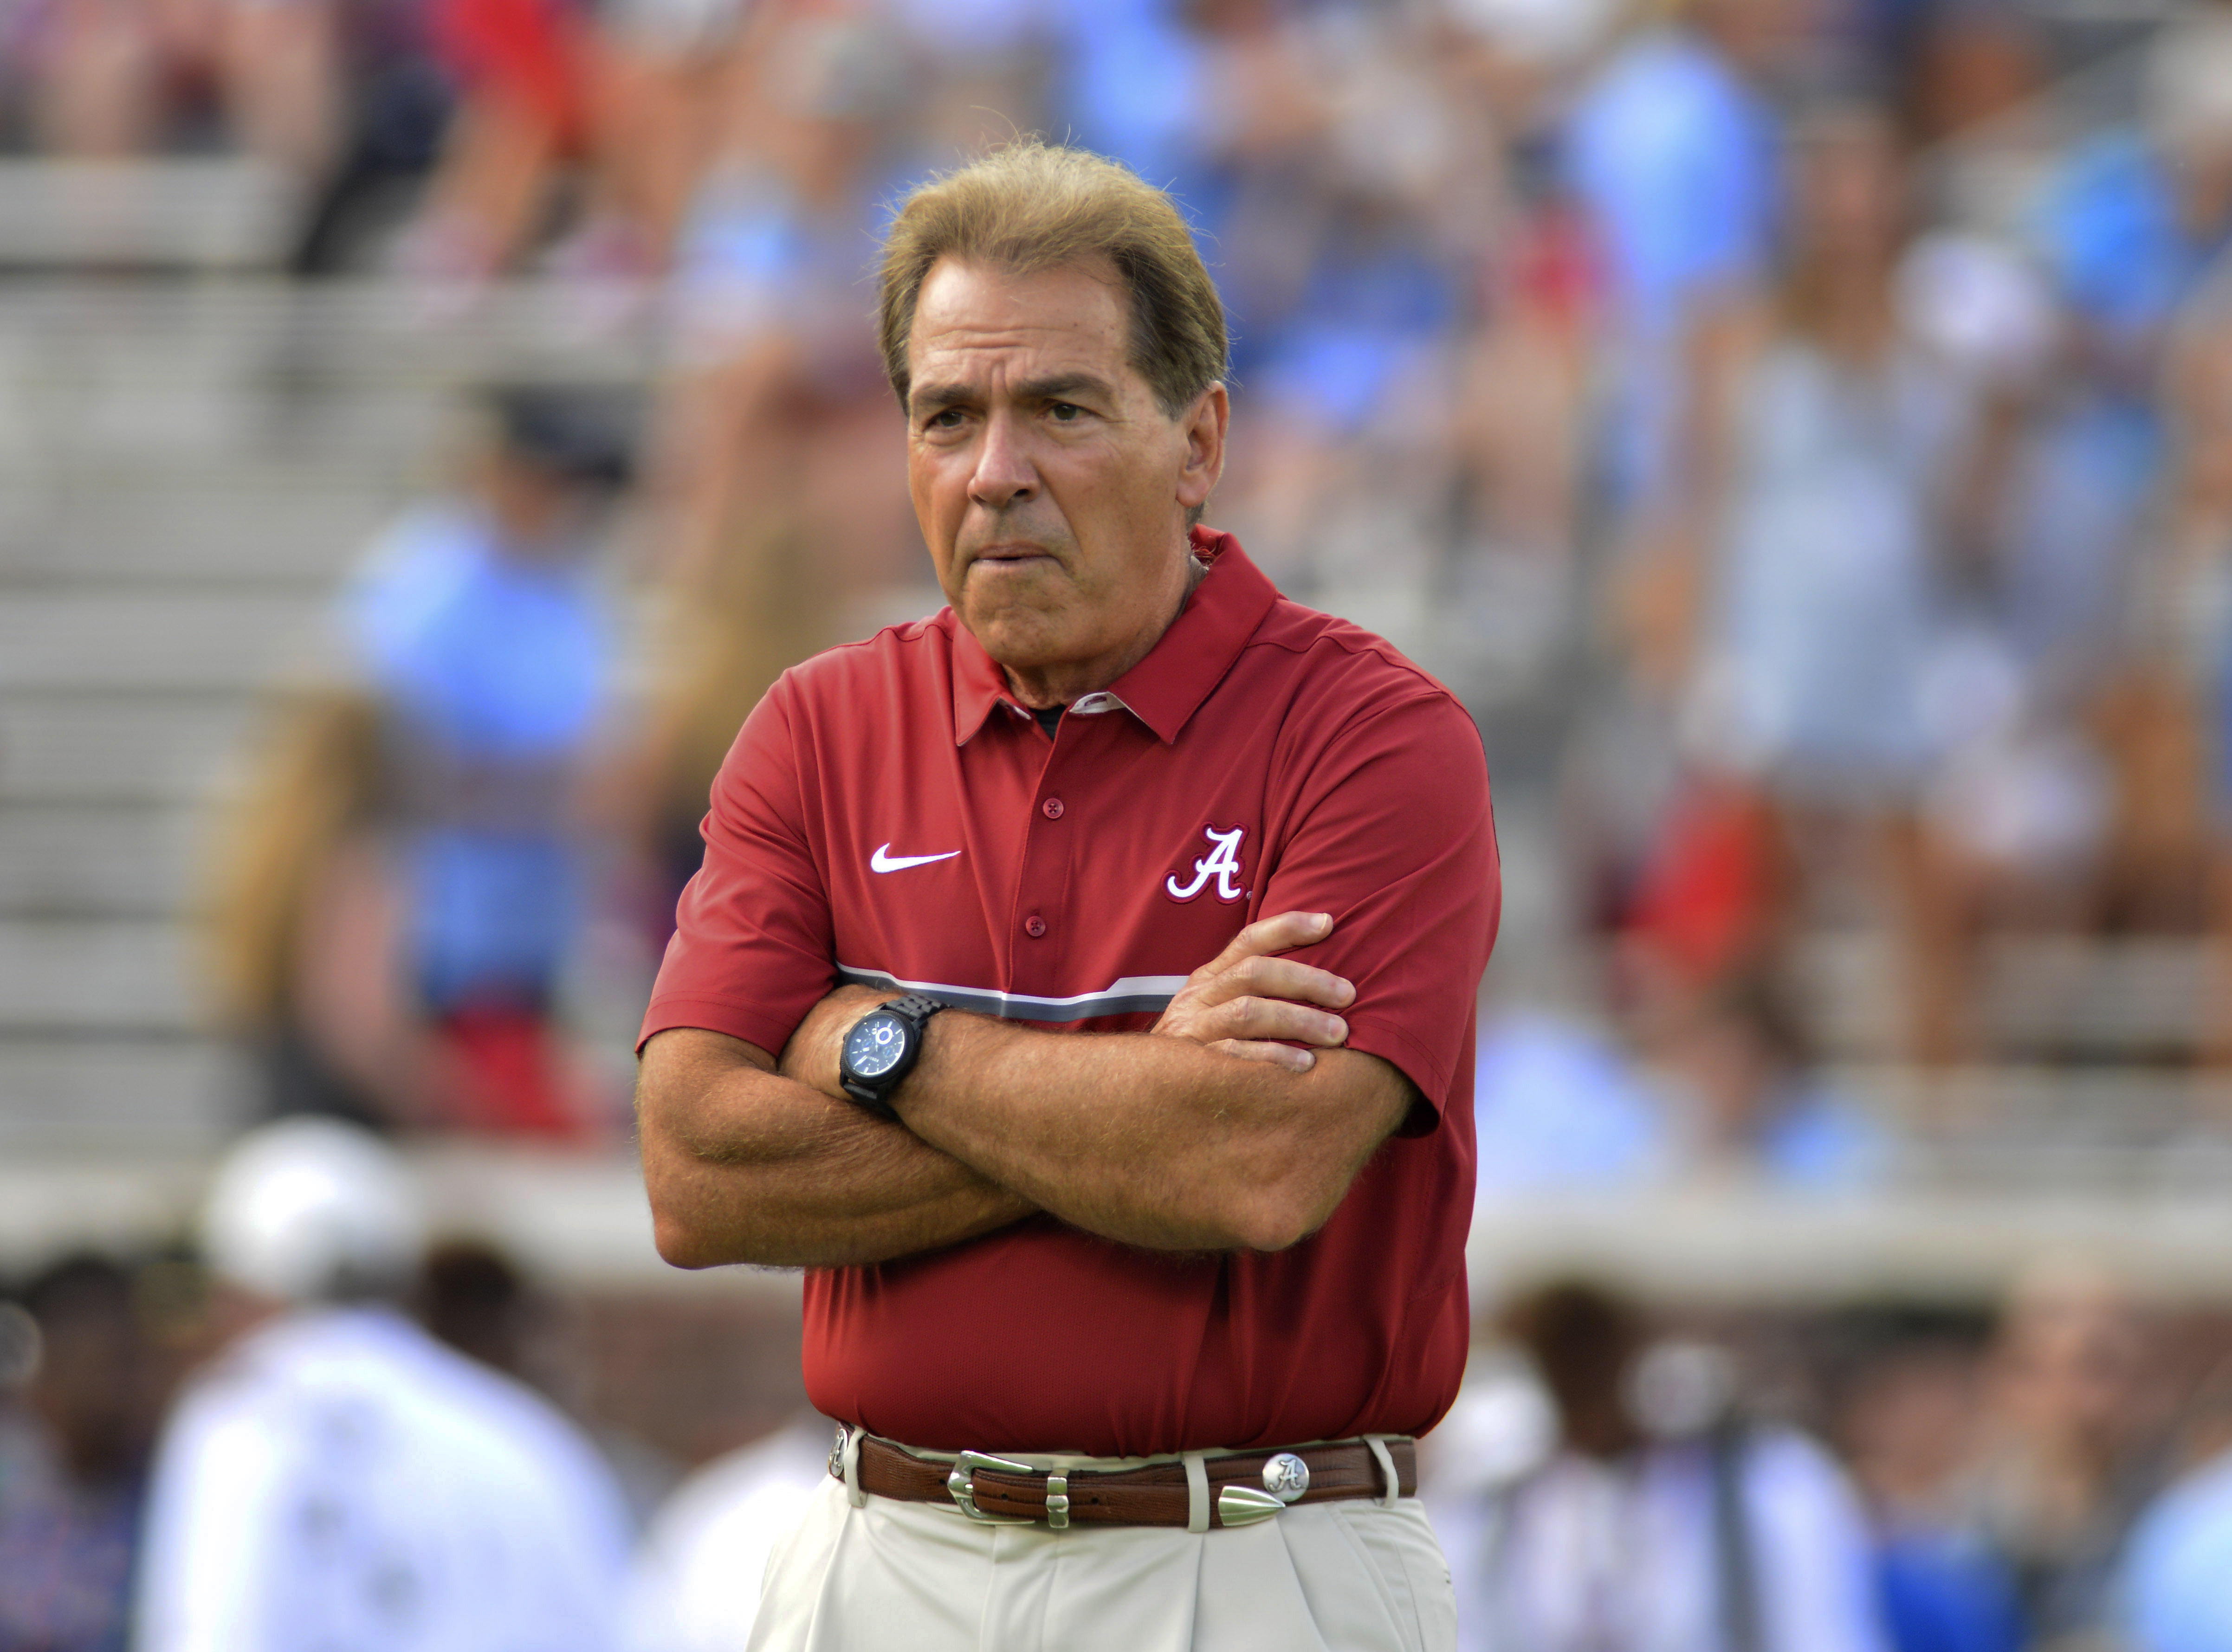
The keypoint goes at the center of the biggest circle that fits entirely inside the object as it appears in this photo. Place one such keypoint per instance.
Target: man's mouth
(1010, 555)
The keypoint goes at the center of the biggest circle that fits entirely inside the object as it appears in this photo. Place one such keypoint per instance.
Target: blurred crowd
(1876, 1480)
(1809, 414)
(323, 1424)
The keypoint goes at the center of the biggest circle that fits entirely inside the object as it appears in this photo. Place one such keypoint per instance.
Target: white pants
(1350, 1577)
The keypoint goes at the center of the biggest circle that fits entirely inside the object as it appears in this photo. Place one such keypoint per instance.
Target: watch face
(874, 1047)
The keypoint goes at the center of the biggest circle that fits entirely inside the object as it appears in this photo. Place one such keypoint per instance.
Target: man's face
(1051, 487)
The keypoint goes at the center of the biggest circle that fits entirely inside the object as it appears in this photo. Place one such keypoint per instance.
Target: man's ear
(1204, 425)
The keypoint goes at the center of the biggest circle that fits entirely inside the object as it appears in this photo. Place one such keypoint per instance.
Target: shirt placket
(1040, 940)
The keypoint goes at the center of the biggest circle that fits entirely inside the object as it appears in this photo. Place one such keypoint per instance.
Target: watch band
(915, 1009)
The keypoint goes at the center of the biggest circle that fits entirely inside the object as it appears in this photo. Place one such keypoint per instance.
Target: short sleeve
(1391, 833)
(752, 947)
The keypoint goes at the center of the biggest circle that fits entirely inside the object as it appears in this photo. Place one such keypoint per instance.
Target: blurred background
(1800, 431)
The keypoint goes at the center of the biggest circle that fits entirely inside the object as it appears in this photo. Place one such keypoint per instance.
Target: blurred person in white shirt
(695, 1582)
(1661, 1521)
(2076, 1421)
(337, 1479)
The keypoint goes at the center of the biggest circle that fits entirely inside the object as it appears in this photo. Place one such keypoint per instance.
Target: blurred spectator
(1350, 199)
(401, 890)
(773, 539)
(1824, 441)
(1908, 1406)
(1724, 1086)
(2138, 213)
(116, 78)
(2068, 1462)
(337, 1476)
(524, 72)
(1561, 1107)
(473, 1296)
(484, 630)
(624, 103)
(299, 920)
(2176, 1587)
(1672, 148)
(779, 388)
(470, 1297)
(397, 103)
(696, 1584)
(1814, 548)
(1714, 1534)
(72, 1477)
(1743, 1064)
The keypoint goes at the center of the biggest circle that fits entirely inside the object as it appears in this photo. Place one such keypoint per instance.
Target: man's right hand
(1245, 1000)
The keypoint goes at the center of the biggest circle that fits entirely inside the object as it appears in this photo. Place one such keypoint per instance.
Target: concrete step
(577, 1219)
(2009, 1121)
(83, 977)
(63, 861)
(2072, 996)
(111, 1094)
(128, 394)
(1719, 1244)
(2055, 993)
(110, 747)
(217, 531)
(199, 213)
(126, 426)
(368, 334)
(190, 643)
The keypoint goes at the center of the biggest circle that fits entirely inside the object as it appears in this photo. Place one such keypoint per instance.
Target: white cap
(307, 1207)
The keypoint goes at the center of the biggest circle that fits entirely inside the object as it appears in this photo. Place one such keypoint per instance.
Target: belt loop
(854, 1494)
(1386, 1460)
(1196, 1469)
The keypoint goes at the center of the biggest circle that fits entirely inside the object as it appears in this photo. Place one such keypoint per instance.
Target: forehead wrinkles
(970, 310)
(969, 351)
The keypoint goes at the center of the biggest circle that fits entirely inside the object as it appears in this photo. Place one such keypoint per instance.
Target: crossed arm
(1206, 1133)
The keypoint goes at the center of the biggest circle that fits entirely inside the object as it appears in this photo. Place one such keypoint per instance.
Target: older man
(1131, 1273)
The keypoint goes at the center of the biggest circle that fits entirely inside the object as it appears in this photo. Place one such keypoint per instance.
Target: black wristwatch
(882, 1049)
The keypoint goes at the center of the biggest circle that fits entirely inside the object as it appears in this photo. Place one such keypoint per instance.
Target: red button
(1051, 808)
(1034, 926)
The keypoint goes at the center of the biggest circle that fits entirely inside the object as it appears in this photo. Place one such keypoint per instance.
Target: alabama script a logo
(1221, 863)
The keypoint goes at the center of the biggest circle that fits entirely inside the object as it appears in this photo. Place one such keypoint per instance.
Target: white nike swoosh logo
(884, 860)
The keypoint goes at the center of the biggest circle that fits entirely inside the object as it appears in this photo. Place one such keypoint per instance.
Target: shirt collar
(1165, 689)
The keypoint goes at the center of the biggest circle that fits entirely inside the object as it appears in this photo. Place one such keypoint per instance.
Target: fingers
(1277, 1055)
(1251, 1018)
(1262, 977)
(1248, 997)
(1267, 934)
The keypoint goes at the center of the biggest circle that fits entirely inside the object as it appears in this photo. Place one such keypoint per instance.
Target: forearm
(743, 1165)
(1152, 1141)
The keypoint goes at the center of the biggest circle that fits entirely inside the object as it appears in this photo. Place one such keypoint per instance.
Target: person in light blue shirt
(2128, 229)
(482, 628)
(1560, 1107)
(2176, 1593)
(1675, 154)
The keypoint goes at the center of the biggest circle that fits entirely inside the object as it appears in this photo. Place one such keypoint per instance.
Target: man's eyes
(952, 419)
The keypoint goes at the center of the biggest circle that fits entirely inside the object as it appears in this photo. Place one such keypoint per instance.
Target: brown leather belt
(1240, 1491)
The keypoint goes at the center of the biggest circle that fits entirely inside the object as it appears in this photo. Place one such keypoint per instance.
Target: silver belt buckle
(961, 1484)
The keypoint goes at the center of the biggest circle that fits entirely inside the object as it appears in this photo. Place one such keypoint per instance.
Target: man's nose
(1005, 475)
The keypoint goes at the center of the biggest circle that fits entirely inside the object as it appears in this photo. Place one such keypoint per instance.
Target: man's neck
(1066, 683)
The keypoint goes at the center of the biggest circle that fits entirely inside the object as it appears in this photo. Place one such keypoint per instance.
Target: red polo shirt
(889, 816)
